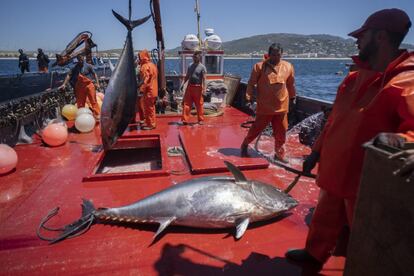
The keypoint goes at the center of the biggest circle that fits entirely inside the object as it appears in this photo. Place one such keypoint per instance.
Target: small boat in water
(14, 86)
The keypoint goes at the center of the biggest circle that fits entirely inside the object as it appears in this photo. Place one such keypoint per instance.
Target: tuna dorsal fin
(163, 224)
(130, 25)
(238, 175)
(241, 227)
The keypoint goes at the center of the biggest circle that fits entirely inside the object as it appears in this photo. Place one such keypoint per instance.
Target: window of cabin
(213, 64)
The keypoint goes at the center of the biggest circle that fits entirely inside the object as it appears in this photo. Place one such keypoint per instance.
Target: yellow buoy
(69, 112)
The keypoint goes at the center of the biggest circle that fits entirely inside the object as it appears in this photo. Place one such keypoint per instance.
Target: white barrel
(209, 31)
(190, 42)
(213, 42)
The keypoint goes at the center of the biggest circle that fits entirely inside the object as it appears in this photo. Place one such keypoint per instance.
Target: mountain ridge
(294, 45)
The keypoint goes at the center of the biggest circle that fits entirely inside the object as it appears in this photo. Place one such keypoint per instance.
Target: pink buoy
(55, 135)
(8, 158)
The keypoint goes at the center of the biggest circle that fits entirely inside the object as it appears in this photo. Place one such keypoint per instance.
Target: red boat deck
(47, 177)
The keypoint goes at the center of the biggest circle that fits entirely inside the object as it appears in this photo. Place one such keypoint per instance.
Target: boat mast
(156, 15)
(197, 10)
(129, 10)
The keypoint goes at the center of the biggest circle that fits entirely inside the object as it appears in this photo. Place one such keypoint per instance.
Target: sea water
(317, 78)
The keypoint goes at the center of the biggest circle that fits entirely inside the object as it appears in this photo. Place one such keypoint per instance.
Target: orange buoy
(55, 135)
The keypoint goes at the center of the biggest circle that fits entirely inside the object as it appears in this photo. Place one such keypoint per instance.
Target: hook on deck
(72, 230)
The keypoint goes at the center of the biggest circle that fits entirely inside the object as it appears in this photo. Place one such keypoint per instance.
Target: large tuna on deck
(208, 202)
(118, 107)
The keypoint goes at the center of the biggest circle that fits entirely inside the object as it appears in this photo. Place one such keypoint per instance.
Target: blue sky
(51, 24)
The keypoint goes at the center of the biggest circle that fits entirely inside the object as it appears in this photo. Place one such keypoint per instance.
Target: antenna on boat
(197, 10)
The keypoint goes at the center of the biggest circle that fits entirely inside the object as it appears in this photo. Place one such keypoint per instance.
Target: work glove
(389, 139)
(407, 167)
(310, 162)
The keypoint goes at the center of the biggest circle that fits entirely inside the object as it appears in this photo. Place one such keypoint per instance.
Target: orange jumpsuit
(366, 104)
(193, 94)
(84, 88)
(275, 86)
(140, 108)
(149, 88)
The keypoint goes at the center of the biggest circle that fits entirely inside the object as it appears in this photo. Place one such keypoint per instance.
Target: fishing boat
(142, 163)
(14, 86)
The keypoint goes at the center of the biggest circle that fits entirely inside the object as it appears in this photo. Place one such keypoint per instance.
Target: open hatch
(133, 156)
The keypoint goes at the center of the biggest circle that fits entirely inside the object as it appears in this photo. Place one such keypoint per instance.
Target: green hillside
(294, 45)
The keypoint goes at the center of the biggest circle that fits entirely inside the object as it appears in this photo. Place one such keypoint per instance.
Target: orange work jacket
(149, 75)
(366, 104)
(275, 86)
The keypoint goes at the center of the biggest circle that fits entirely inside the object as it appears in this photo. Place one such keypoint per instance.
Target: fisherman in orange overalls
(196, 88)
(80, 79)
(149, 89)
(377, 100)
(275, 81)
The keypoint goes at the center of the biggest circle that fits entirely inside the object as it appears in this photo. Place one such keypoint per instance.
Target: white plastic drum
(190, 42)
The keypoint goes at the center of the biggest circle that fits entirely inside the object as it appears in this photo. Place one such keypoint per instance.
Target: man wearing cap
(374, 102)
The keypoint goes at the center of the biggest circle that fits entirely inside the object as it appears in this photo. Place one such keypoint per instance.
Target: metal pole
(198, 23)
(160, 46)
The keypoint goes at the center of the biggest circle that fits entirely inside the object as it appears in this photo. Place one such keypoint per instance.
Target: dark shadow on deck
(237, 152)
(172, 262)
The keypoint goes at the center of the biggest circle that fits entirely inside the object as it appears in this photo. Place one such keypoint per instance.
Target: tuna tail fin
(72, 230)
(130, 25)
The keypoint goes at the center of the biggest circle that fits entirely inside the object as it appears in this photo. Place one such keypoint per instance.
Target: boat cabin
(212, 59)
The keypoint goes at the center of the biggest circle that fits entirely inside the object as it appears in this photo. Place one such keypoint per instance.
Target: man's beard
(369, 51)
